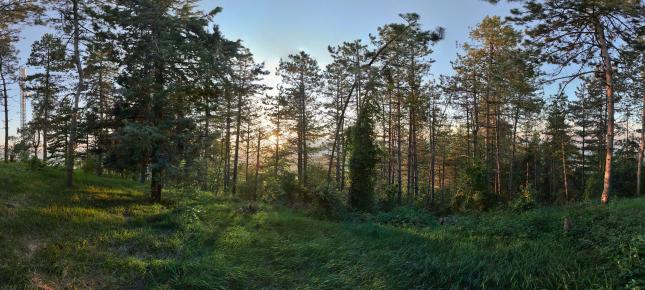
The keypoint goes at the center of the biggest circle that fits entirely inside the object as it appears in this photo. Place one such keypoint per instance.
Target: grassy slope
(105, 235)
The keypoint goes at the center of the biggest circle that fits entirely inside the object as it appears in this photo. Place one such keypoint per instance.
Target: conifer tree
(47, 55)
(575, 33)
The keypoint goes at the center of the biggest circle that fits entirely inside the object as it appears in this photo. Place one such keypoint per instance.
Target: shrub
(631, 263)
(90, 163)
(593, 187)
(35, 164)
(328, 201)
(525, 201)
(471, 190)
(387, 196)
(281, 188)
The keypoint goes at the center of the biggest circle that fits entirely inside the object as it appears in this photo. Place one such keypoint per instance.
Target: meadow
(105, 234)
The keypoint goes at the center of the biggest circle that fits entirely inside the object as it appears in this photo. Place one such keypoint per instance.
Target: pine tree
(362, 163)
(301, 79)
(48, 55)
(8, 67)
(575, 32)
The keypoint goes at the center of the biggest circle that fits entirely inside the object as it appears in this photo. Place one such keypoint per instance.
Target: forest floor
(105, 234)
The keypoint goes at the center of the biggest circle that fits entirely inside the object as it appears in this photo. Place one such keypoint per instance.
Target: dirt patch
(38, 281)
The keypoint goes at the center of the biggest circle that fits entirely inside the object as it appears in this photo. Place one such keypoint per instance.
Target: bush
(90, 163)
(525, 201)
(593, 187)
(471, 190)
(328, 201)
(631, 263)
(387, 196)
(281, 188)
(35, 164)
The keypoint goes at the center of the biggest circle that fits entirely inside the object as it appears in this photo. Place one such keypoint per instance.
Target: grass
(105, 235)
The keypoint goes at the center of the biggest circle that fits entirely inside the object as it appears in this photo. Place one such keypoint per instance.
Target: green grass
(105, 235)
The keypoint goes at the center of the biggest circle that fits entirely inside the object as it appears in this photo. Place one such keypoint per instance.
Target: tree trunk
(498, 161)
(6, 116)
(248, 146)
(236, 154)
(399, 153)
(69, 161)
(155, 183)
(564, 171)
(257, 167)
(433, 137)
(277, 141)
(511, 188)
(641, 146)
(600, 33)
(101, 135)
(443, 171)
(227, 144)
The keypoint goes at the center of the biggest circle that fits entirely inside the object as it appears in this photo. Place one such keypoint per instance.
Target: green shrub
(471, 190)
(525, 201)
(90, 163)
(35, 164)
(386, 197)
(283, 188)
(328, 201)
(593, 187)
(632, 263)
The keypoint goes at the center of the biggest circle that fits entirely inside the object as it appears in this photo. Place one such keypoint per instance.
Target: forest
(156, 155)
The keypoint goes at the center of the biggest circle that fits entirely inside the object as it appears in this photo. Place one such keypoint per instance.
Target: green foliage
(103, 235)
(631, 262)
(525, 200)
(471, 192)
(281, 188)
(387, 195)
(328, 201)
(362, 162)
(35, 164)
(406, 216)
(593, 186)
(624, 175)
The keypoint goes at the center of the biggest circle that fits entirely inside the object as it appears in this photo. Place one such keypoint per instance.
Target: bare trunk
(69, 158)
(257, 167)
(236, 154)
(248, 146)
(6, 116)
(610, 111)
(227, 145)
(433, 137)
(511, 188)
(641, 146)
(564, 171)
(443, 171)
(399, 156)
(498, 161)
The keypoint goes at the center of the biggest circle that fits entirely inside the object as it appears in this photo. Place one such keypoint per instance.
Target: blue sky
(273, 29)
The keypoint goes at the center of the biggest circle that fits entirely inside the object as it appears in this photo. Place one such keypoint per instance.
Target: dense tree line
(153, 90)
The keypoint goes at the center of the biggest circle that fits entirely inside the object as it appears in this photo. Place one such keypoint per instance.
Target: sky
(273, 29)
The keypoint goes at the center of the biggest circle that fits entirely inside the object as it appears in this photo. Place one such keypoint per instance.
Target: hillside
(106, 235)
